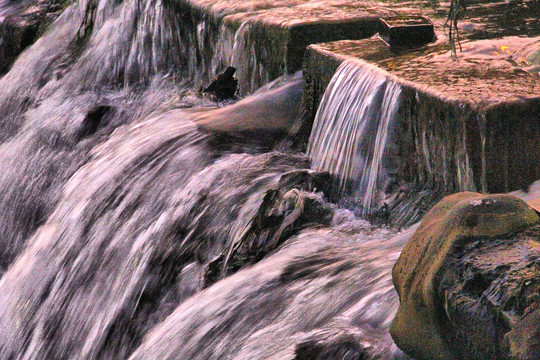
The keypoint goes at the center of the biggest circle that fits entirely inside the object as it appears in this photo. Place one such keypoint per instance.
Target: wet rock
(225, 86)
(93, 121)
(469, 281)
(523, 341)
(268, 38)
(326, 345)
(21, 23)
(342, 340)
(286, 209)
(263, 118)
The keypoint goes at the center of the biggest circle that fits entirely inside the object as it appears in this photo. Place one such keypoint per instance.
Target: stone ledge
(496, 79)
(269, 38)
(487, 125)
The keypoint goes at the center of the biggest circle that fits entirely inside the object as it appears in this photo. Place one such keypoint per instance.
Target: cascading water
(132, 235)
(118, 207)
(351, 130)
(331, 287)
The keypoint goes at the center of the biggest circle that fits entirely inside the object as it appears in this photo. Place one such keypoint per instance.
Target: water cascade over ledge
(351, 130)
(141, 220)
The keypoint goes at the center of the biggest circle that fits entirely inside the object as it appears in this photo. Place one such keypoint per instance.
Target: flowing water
(329, 286)
(134, 227)
(351, 130)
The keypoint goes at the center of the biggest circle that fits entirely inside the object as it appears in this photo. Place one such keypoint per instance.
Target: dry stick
(451, 23)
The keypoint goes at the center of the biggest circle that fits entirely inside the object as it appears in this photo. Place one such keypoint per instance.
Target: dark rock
(406, 30)
(93, 121)
(469, 281)
(523, 341)
(342, 340)
(285, 210)
(344, 343)
(21, 24)
(225, 86)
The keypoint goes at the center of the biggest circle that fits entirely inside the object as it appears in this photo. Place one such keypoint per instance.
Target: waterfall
(292, 299)
(118, 205)
(351, 129)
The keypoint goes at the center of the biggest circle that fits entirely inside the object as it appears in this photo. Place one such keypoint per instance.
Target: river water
(139, 220)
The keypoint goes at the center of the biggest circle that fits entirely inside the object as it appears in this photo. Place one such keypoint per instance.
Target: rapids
(330, 287)
(139, 220)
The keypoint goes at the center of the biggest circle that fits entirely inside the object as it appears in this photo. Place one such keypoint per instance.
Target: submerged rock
(469, 281)
(325, 294)
(286, 209)
(343, 340)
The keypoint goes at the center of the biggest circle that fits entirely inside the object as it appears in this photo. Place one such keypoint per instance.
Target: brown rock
(523, 341)
(467, 277)
(21, 23)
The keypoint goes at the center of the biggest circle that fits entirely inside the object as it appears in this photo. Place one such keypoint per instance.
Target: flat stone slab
(330, 9)
(487, 73)
(270, 37)
(315, 22)
(472, 124)
(316, 12)
(227, 7)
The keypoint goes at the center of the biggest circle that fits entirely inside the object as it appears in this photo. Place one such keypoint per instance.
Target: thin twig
(457, 7)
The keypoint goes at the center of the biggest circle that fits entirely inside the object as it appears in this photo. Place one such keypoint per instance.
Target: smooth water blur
(131, 236)
(351, 130)
(116, 199)
(93, 71)
(323, 284)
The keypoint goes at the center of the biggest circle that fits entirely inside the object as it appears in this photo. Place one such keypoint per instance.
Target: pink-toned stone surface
(487, 73)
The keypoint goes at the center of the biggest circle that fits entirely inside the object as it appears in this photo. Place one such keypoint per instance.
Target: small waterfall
(258, 61)
(351, 129)
(131, 227)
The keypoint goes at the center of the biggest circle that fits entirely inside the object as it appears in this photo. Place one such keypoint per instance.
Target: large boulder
(469, 281)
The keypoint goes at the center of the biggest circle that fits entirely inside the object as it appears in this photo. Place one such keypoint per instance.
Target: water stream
(351, 130)
(139, 220)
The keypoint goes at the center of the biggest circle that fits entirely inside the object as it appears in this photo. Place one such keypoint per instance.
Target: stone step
(464, 125)
(269, 38)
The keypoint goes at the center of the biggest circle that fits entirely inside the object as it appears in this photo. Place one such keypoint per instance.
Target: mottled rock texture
(21, 23)
(469, 281)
